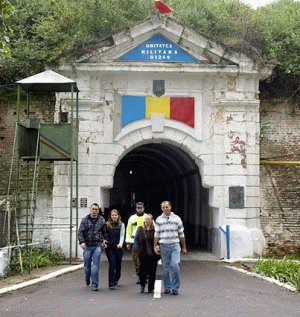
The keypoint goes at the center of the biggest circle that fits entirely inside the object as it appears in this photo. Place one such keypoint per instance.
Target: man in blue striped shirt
(169, 232)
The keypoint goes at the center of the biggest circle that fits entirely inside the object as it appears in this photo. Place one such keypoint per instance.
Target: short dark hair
(95, 204)
(139, 204)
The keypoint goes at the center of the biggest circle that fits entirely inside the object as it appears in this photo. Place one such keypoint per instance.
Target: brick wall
(41, 106)
(280, 184)
(7, 128)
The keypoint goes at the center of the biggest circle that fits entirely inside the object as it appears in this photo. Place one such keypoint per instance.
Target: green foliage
(270, 34)
(279, 41)
(39, 258)
(40, 36)
(101, 17)
(281, 32)
(6, 9)
(47, 30)
(286, 271)
(228, 21)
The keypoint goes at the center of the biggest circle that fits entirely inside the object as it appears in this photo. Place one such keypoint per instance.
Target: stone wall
(280, 184)
(7, 131)
(43, 107)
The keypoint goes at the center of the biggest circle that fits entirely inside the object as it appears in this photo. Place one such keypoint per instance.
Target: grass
(286, 270)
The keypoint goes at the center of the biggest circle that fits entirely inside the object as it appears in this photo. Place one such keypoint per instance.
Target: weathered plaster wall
(224, 142)
(280, 184)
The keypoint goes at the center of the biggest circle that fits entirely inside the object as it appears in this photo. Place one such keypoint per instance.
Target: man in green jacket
(135, 221)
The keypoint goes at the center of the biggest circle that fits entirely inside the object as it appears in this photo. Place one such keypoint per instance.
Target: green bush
(286, 271)
(39, 258)
(47, 31)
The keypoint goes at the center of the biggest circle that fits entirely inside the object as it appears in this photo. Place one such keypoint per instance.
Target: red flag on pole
(162, 7)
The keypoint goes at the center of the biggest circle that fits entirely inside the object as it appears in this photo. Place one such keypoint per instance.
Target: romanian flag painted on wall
(175, 108)
(162, 7)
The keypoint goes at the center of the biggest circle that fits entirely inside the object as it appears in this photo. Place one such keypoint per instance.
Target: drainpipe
(227, 234)
(265, 162)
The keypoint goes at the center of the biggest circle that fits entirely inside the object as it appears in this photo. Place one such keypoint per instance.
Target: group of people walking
(149, 241)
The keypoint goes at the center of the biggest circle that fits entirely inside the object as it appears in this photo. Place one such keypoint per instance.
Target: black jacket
(92, 233)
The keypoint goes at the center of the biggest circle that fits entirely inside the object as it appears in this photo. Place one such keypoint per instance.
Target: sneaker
(142, 289)
(112, 288)
(167, 291)
(150, 291)
(174, 292)
(95, 288)
(87, 282)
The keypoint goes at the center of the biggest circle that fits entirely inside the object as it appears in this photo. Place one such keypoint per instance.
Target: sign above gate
(159, 49)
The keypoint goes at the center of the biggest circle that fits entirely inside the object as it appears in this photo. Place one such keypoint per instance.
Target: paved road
(208, 289)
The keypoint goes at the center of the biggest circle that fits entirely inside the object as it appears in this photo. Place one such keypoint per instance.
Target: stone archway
(160, 171)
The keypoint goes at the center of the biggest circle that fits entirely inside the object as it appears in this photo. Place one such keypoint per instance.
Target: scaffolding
(35, 141)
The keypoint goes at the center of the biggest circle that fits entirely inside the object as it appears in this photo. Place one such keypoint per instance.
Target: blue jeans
(92, 253)
(170, 257)
(114, 257)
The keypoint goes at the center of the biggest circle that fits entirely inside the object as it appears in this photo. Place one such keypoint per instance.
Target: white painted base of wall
(60, 239)
(244, 242)
(3, 261)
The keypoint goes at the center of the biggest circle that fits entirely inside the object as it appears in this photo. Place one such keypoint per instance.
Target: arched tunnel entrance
(156, 172)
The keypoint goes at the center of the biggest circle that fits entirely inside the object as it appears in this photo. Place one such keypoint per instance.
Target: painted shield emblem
(158, 87)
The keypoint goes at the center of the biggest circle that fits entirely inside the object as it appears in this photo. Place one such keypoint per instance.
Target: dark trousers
(136, 260)
(114, 257)
(148, 267)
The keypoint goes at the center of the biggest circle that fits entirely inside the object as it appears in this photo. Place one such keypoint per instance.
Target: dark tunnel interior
(156, 172)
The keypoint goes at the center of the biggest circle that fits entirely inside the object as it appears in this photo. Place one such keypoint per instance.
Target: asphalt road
(207, 289)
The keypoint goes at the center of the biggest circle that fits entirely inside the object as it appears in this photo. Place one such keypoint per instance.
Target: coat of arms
(158, 87)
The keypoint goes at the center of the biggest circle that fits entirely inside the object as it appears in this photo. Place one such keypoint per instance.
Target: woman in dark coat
(114, 250)
(143, 243)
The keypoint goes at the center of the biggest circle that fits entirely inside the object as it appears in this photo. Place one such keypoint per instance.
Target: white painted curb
(268, 279)
(157, 289)
(41, 279)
